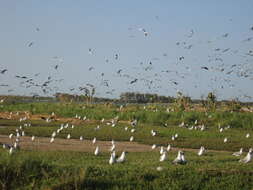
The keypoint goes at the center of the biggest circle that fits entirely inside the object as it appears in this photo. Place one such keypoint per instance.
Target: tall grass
(73, 170)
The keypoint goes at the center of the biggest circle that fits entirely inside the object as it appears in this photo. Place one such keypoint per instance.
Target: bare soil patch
(43, 144)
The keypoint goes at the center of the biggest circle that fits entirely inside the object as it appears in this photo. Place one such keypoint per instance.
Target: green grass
(210, 138)
(148, 116)
(74, 170)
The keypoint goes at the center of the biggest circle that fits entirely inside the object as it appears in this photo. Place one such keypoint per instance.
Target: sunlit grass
(64, 170)
(82, 170)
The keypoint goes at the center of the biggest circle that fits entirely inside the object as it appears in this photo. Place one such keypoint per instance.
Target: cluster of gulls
(158, 72)
(180, 159)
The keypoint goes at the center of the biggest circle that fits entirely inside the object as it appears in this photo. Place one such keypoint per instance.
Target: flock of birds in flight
(180, 159)
(147, 74)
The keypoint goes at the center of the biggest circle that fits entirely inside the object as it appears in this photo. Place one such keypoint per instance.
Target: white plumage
(161, 150)
(96, 151)
(238, 153)
(11, 135)
(94, 140)
(112, 158)
(180, 159)
(248, 157)
(163, 157)
(168, 147)
(112, 148)
(52, 140)
(201, 151)
(122, 157)
(11, 150)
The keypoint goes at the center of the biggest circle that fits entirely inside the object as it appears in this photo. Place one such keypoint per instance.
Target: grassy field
(73, 170)
(152, 114)
(82, 170)
(211, 138)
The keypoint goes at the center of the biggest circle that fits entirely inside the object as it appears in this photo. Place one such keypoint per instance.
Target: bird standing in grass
(96, 151)
(168, 147)
(164, 156)
(180, 159)
(201, 151)
(248, 157)
(112, 148)
(11, 150)
(122, 157)
(94, 140)
(238, 153)
(162, 150)
(112, 158)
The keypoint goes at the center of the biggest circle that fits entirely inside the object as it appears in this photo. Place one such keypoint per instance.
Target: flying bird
(181, 58)
(144, 31)
(30, 44)
(248, 39)
(134, 81)
(118, 72)
(90, 51)
(56, 67)
(206, 68)
(91, 68)
(3, 71)
(191, 34)
(225, 35)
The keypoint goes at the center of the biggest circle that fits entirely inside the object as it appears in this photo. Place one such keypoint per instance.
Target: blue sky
(68, 29)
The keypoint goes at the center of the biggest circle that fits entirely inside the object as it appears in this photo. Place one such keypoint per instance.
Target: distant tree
(182, 102)
(234, 105)
(131, 97)
(211, 101)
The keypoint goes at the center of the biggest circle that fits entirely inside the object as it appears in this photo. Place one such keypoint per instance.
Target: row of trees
(132, 97)
(179, 103)
(87, 98)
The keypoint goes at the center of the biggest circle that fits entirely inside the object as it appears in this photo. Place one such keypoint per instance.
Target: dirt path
(43, 144)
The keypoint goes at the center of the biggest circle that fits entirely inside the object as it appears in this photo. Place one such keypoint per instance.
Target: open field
(77, 170)
(121, 95)
(71, 163)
